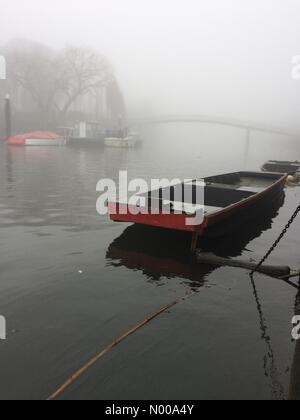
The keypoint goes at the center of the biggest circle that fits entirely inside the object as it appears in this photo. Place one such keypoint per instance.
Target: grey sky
(225, 57)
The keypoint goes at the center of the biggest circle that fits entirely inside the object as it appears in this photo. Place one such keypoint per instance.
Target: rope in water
(119, 340)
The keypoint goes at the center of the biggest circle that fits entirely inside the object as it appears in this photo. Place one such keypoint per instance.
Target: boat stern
(175, 220)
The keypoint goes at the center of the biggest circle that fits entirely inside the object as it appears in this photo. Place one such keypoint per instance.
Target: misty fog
(226, 58)
(116, 284)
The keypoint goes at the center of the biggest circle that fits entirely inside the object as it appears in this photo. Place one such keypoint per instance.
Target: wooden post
(294, 393)
(7, 116)
(208, 258)
(194, 241)
(199, 232)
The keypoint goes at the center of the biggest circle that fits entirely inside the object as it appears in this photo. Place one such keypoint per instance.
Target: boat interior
(218, 193)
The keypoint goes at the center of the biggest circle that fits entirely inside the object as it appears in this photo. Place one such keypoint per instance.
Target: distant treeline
(58, 88)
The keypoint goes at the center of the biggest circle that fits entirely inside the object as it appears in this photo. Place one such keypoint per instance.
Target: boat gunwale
(219, 215)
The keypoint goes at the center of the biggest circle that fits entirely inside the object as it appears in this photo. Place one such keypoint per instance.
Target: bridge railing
(251, 126)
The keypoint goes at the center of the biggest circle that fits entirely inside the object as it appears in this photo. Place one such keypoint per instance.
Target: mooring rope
(111, 346)
(278, 240)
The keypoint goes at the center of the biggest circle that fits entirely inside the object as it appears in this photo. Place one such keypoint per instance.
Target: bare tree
(30, 66)
(55, 80)
(81, 71)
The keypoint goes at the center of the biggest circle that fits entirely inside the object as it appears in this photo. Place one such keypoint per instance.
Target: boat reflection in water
(165, 253)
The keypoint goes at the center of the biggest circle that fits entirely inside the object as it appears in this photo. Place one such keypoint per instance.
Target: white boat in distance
(121, 138)
(43, 142)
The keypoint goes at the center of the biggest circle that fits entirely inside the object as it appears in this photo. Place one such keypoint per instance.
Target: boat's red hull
(124, 213)
(213, 225)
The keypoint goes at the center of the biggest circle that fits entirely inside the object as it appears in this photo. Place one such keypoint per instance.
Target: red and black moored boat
(229, 201)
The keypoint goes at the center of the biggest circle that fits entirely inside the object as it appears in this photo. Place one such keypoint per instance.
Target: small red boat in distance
(37, 138)
(229, 201)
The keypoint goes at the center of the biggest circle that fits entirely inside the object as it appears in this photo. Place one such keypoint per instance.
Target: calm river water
(71, 281)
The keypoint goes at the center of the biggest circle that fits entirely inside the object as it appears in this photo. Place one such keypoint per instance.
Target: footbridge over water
(248, 126)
